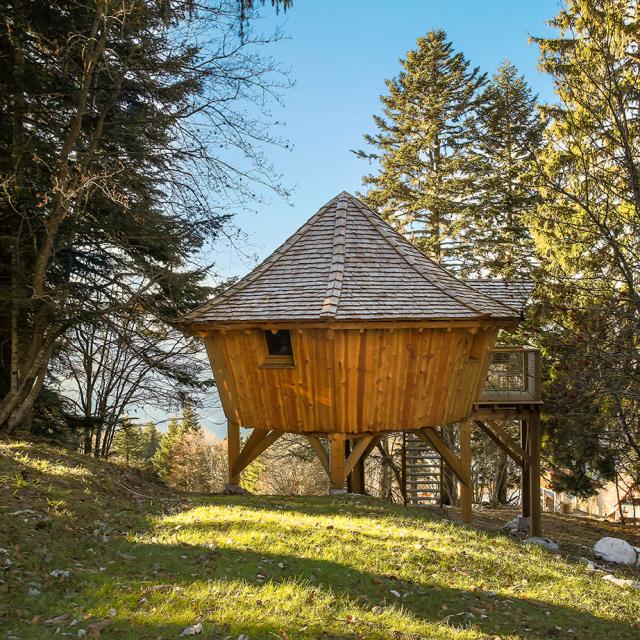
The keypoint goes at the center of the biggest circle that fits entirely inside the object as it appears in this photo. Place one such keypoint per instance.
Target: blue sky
(339, 54)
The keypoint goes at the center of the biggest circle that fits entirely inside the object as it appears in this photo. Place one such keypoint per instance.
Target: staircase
(422, 472)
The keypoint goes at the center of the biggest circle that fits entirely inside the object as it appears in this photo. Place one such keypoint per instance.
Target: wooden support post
(525, 484)
(359, 448)
(233, 451)
(466, 492)
(356, 452)
(533, 442)
(336, 443)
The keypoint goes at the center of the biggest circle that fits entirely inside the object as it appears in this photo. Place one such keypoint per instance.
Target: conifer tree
(106, 107)
(128, 441)
(151, 440)
(492, 237)
(422, 145)
(163, 457)
(189, 422)
(587, 228)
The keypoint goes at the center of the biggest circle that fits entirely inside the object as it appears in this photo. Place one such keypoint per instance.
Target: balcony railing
(514, 376)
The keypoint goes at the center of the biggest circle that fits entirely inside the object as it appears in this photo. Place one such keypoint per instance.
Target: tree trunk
(500, 479)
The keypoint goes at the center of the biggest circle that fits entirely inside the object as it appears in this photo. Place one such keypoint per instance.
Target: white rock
(615, 550)
(622, 582)
(512, 524)
(193, 630)
(547, 543)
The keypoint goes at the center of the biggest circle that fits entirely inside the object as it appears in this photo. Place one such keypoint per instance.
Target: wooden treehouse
(347, 332)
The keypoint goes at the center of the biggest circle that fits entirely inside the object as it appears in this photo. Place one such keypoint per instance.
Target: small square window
(279, 349)
(279, 343)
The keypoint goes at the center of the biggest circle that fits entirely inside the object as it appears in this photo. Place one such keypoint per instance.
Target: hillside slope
(90, 549)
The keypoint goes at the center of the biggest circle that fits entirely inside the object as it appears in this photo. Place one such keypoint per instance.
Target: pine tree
(106, 107)
(587, 228)
(423, 142)
(163, 457)
(189, 422)
(151, 440)
(128, 442)
(492, 234)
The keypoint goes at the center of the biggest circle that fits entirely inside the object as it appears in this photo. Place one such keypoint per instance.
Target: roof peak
(346, 263)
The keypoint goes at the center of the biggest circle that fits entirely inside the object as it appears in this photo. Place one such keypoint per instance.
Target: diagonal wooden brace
(504, 441)
(321, 452)
(433, 439)
(259, 441)
(356, 454)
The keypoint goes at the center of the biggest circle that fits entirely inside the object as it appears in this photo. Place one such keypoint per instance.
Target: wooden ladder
(422, 472)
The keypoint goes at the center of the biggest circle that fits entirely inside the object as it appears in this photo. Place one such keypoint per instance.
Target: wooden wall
(351, 380)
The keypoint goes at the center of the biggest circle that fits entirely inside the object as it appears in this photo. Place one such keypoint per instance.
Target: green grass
(145, 563)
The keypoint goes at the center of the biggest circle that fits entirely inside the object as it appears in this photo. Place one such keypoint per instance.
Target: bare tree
(109, 367)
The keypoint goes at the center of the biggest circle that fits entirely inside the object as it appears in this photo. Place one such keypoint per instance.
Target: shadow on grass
(162, 587)
(238, 591)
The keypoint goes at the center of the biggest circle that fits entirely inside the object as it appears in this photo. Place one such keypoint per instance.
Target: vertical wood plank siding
(351, 380)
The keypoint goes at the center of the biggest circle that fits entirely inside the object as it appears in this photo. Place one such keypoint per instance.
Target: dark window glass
(279, 343)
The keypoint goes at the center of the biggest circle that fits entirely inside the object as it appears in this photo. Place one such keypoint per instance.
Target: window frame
(277, 361)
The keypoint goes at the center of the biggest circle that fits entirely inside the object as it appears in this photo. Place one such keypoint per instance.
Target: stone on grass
(622, 582)
(193, 630)
(512, 524)
(547, 543)
(615, 550)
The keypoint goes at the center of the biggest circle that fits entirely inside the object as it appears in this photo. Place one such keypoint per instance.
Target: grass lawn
(144, 563)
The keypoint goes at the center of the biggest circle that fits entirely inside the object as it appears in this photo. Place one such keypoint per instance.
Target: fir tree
(106, 107)
(128, 442)
(587, 228)
(151, 440)
(492, 237)
(423, 142)
(189, 422)
(163, 457)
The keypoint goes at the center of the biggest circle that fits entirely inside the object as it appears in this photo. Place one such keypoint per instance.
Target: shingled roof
(346, 264)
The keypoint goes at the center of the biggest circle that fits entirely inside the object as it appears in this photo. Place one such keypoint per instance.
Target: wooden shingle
(347, 264)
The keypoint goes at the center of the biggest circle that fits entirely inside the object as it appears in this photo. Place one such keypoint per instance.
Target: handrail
(513, 376)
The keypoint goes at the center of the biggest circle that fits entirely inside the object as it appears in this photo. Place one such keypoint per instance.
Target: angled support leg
(433, 439)
(259, 441)
(321, 452)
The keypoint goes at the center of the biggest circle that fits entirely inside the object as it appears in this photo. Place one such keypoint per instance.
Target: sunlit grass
(277, 568)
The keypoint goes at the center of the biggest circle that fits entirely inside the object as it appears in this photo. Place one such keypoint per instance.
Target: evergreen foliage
(423, 144)
(492, 237)
(150, 440)
(126, 142)
(128, 441)
(587, 227)
(163, 457)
